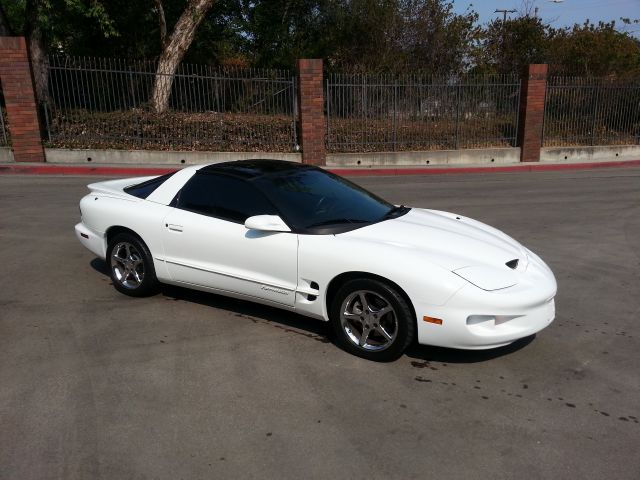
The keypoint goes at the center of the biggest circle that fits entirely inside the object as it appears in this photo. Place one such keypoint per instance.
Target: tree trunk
(174, 49)
(37, 52)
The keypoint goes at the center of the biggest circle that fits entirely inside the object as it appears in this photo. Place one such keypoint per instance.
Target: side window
(223, 197)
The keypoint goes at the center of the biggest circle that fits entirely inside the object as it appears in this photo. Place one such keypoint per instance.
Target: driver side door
(206, 243)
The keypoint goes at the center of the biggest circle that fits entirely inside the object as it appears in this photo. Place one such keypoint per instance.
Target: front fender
(321, 258)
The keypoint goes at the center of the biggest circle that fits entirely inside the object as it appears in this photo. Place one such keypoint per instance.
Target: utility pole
(504, 23)
(504, 13)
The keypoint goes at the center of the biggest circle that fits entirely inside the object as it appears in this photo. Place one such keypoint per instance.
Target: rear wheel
(372, 320)
(131, 266)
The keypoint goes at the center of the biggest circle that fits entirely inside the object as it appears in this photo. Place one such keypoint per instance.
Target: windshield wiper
(336, 221)
(396, 212)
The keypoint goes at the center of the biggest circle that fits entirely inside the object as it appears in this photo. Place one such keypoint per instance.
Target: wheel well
(115, 230)
(338, 281)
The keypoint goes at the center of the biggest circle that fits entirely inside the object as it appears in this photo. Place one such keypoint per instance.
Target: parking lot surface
(190, 385)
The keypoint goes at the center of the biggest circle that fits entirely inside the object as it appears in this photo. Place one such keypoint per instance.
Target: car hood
(471, 249)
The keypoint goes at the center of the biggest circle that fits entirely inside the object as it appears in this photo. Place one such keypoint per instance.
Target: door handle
(173, 227)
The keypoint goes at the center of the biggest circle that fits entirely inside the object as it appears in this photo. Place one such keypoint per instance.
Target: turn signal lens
(437, 321)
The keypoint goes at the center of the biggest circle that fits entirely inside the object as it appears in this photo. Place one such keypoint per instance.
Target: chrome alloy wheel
(369, 320)
(127, 265)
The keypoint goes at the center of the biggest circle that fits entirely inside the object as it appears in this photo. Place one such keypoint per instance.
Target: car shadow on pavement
(255, 312)
(316, 329)
(451, 355)
(258, 313)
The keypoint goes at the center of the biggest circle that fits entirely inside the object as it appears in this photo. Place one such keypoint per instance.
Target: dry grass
(139, 129)
(578, 134)
(210, 131)
(356, 135)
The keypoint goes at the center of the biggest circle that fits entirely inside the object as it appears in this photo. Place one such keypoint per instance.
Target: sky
(563, 14)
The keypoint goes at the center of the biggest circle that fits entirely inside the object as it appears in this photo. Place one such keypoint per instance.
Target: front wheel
(372, 320)
(131, 266)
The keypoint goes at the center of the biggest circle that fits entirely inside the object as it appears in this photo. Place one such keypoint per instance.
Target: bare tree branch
(162, 21)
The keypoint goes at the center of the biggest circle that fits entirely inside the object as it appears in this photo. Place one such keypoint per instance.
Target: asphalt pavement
(190, 385)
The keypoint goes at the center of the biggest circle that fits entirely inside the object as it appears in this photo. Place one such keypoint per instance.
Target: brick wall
(311, 105)
(532, 97)
(17, 86)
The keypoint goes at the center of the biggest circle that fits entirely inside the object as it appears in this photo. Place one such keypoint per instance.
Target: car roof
(250, 169)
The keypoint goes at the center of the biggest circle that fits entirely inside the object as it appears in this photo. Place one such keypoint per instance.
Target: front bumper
(522, 310)
(91, 240)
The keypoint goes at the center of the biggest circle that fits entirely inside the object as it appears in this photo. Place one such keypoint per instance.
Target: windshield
(310, 199)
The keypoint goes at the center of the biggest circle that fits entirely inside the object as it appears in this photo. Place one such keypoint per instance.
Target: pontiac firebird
(303, 239)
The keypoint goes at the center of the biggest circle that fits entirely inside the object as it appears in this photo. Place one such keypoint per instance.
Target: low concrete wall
(590, 154)
(156, 157)
(6, 155)
(484, 156)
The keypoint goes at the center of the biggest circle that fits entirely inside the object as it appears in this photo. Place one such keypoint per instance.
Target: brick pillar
(534, 88)
(311, 109)
(19, 98)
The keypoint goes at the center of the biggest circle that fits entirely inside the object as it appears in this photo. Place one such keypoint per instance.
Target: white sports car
(303, 239)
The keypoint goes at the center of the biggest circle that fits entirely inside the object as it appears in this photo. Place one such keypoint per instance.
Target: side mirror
(266, 223)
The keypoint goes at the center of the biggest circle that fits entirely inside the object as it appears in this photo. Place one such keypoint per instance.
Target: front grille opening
(512, 263)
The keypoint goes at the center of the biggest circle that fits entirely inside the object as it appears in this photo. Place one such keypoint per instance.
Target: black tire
(348, 330)
(135, 275)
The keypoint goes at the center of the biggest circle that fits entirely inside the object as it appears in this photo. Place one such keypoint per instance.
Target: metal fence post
(594, 114)
(364, 106)
(395, 114)
(514, 143)
(456, 142)
(133, 90)
(328, 102)
(45, 108)
(295, 113)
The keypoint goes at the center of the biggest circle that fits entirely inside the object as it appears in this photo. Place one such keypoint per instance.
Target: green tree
(47, 24)
(436, 39)
(594, 50)
(507, 46)
(400, 35)
(364, 35)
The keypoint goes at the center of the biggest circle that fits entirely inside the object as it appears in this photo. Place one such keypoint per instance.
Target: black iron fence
(389, 113)
(106, 103)
(4, 131)
(591, 111)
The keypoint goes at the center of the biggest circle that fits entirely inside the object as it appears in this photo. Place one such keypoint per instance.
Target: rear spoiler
(116, 187)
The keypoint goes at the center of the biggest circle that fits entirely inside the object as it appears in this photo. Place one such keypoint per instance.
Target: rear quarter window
(144, 189)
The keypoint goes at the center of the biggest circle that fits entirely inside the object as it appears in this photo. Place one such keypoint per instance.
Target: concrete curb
(525, 167)
(44, 169)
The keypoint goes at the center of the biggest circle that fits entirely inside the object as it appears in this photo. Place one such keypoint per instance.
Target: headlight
(488, 278)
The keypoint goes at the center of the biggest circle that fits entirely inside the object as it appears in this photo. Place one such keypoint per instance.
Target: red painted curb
(75, 170)
(351, 172)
